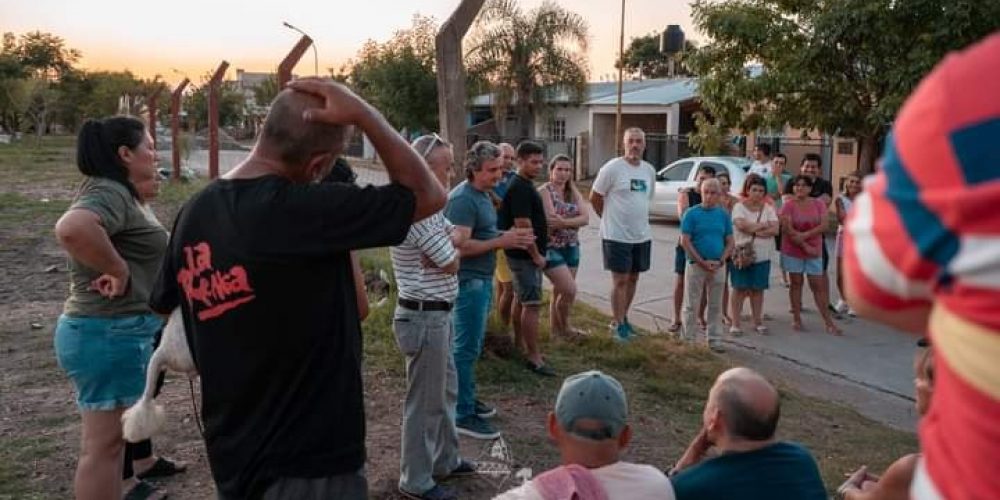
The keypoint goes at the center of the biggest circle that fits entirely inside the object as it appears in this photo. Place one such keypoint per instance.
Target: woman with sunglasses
(567, 212)
(803, 220)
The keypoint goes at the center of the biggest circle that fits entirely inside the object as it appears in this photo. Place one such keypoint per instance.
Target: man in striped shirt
(425, 265)
(923, 254)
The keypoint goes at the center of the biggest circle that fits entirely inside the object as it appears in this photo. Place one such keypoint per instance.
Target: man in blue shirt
(739, 421)
(471, 210)
(707, 238)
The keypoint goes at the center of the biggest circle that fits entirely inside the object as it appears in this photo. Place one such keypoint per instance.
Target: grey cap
(595, 396)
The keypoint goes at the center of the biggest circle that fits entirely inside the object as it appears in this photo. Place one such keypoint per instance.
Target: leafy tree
(45, 55)
(231, 105)
(840, 66)
(266, 91)
(708, 138)
(643, 56)
(397, 76)
(525, 57)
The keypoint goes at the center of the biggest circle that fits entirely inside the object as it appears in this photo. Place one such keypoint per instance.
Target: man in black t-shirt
(259, 263)
(522, 207)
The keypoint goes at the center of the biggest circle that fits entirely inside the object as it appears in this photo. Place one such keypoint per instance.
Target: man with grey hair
(590, 428)
(739, 422)
(621, 195)
(425, 266)
(259, 263)
(471, 209)
(707, 239)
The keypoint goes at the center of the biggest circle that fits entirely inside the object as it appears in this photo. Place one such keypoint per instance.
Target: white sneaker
(842, 307)
(851, 313)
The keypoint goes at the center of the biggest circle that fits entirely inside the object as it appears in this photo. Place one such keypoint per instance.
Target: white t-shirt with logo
(761, 169)
(627, 190)
(621, 480)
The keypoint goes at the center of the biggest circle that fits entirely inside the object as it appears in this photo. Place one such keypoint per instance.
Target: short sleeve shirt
(820, 187)
(137, 237)
(803, 217)
(762, 246)
(627, 190)
(430, 238)
(777, 472)
(620, 480)
(472, 208)
(708, 229)
(261, 270)
(523, 201)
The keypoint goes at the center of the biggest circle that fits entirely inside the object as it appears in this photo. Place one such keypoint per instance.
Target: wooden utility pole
(451, 73)
(175, 127)
(213, 119)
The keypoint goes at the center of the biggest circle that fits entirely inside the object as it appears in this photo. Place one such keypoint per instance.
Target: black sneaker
(484, 410)
(476, 427)
(464, 468)
(438, 492)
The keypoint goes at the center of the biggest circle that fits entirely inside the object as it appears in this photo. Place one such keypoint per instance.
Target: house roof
(656, 91)
(667, 91)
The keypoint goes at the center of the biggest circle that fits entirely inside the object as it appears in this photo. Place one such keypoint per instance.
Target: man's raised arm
(402, 163)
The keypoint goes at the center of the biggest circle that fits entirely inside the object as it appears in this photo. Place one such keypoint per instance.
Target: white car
(670, 180)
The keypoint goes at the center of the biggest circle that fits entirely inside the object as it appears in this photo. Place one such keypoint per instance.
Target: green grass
(16, 456)
(666, 382)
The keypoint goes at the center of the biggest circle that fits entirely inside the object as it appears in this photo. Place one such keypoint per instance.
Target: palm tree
(524, 57)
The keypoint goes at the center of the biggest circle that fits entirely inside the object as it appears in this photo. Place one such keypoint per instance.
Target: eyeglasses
(434, 142)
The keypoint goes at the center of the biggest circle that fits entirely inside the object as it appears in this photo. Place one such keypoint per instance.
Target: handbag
(744, 254)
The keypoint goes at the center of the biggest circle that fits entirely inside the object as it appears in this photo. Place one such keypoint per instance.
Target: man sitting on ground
(589, 427)
(739, 421)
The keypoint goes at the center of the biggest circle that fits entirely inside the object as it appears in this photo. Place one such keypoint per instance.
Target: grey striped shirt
(429, 237)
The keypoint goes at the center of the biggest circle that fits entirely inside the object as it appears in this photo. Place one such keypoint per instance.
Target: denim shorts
(626, 258)
(811, 267)
(527, 281)
(106, 358)
(568, 256)
(680, 260)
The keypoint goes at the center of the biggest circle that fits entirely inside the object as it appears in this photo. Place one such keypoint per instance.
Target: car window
(719, 168)
(677, 172)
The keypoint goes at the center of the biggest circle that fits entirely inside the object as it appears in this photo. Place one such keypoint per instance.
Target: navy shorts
(626, 257)
(680, 260)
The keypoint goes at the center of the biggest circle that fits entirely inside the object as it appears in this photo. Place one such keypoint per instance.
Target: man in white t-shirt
(621, 195)
(761, 160)
(589, 427)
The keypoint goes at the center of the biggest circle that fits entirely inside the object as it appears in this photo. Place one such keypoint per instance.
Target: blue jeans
(471, 309)
(106, 357)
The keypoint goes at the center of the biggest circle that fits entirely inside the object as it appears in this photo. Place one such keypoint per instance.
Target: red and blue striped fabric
(926, 233)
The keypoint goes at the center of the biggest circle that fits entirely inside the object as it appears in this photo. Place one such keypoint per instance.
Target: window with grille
(557, 130)
(845, 148)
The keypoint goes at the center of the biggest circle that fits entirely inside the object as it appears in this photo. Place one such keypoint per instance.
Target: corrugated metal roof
(596, 91)
(667, 92)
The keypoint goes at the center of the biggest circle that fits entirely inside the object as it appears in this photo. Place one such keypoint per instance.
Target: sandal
(674, 328)
(542, 369)
(735, 331)
(832, 329)
(761, 330)
(161, 468)
(144, 491)
(797, 325)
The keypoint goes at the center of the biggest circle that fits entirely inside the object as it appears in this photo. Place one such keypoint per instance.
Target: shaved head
(294, 140)
(749, 404)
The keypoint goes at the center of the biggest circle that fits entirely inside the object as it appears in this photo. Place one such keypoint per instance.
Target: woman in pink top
(803, 221)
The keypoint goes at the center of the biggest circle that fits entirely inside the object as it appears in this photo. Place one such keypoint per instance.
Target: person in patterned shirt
(922, 253)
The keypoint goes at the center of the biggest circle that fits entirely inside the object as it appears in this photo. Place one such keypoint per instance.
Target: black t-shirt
(820, 187)
(523, 200)
(261, 270)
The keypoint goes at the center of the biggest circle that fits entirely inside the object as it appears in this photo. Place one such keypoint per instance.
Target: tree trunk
(451, 74)
(867, 153)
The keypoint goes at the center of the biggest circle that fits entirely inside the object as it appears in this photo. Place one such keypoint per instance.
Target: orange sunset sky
(149, 38)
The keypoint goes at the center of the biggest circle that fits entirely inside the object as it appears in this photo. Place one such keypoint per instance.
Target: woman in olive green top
(103, 339)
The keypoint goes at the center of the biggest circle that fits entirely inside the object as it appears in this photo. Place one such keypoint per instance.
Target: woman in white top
(754, 220)
(852, 187)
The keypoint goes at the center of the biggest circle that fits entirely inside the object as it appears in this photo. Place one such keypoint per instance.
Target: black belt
(425, 305)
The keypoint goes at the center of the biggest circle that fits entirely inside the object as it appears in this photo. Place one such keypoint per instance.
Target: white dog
(146, 418)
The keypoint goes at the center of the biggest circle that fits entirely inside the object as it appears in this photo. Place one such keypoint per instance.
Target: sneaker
(621, 332)
(476, 427)
(484, 410)
(543, 369)
(465, 468)
(851, 312)
(438, 492)
(842, 307)
(631, 329)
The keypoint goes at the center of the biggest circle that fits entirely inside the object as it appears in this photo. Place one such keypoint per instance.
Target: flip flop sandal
(161, 468)
(762, 330)
(735, 332)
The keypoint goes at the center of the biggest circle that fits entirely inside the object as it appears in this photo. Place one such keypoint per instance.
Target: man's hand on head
(341, 105)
